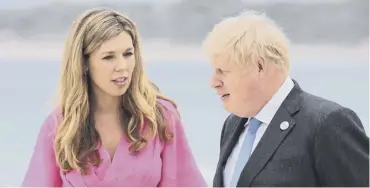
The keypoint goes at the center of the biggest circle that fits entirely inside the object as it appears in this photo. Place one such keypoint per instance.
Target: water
(27, 89)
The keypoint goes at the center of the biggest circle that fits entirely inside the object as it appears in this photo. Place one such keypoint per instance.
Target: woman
(112, 127)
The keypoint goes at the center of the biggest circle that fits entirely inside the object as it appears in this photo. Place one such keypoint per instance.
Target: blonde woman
(112, 127)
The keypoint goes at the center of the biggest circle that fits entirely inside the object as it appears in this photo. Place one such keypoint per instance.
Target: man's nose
(215, 82)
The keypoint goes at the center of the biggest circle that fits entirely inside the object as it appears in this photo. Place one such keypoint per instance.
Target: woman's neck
(107, 112)
(104, 104)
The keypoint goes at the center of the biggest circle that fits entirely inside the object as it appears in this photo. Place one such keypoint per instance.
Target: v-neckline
(104, 170)
(106, 154)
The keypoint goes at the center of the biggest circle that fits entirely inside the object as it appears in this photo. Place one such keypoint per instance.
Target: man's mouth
(224, 96)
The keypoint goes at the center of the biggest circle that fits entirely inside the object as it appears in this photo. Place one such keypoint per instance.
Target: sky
(21, 4)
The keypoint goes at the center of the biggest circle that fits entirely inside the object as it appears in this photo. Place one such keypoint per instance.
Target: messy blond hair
(76, 139)
(246, 37)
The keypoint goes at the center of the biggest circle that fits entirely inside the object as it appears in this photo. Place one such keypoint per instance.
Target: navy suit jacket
(325, 145)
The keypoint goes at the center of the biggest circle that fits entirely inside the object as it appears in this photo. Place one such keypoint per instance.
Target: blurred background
(330, 58)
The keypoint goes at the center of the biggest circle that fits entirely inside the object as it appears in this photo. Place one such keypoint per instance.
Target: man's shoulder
(319, 110)
(316, 105)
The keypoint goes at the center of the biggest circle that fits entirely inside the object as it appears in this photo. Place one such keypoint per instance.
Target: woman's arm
(43, 170)
(179, 167)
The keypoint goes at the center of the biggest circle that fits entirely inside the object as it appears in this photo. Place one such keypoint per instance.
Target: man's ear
(261, 65)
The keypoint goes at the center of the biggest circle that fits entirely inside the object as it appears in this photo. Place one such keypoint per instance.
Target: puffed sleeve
(179, 168)
(43, 170)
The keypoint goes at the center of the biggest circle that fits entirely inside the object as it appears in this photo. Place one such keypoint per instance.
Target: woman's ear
(85, 67)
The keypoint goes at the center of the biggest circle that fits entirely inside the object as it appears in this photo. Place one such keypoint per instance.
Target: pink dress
(158, 164)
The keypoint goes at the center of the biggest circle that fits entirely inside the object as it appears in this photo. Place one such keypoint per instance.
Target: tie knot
(253, 125)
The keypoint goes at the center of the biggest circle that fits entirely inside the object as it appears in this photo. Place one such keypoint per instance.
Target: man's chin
(229, 108)
(239, 113)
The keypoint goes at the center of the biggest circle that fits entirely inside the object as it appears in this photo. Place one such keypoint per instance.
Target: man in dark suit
(278, 134)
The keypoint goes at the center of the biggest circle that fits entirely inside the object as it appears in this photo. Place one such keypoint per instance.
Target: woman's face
(111, 66)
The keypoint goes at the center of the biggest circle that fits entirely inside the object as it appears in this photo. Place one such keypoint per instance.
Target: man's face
(238, 87)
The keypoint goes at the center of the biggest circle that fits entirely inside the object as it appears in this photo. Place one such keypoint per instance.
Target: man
(278, 134)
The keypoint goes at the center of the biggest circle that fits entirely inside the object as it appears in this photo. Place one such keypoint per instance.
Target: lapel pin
(284, 125)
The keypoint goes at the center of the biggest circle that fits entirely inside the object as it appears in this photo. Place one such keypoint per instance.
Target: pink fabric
(171, 164)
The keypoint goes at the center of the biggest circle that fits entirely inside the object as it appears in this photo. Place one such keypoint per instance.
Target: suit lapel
(266, 147)
(272, 137)
(232, 137)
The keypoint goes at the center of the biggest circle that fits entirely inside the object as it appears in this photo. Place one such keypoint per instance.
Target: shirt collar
(269, 110)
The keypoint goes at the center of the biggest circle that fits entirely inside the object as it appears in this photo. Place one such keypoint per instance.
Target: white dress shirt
(265, 116)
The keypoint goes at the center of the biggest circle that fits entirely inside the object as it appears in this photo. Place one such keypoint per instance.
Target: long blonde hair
(76, 139)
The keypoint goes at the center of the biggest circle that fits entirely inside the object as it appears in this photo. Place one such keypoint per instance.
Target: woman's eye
(108, 57)
(128, 54)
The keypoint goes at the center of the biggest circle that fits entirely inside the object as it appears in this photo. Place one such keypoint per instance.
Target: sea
(28, 89)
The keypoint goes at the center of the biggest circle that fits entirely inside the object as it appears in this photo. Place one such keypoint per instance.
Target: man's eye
(220, 71)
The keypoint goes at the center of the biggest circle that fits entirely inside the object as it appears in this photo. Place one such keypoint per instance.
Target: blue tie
(245, 150)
